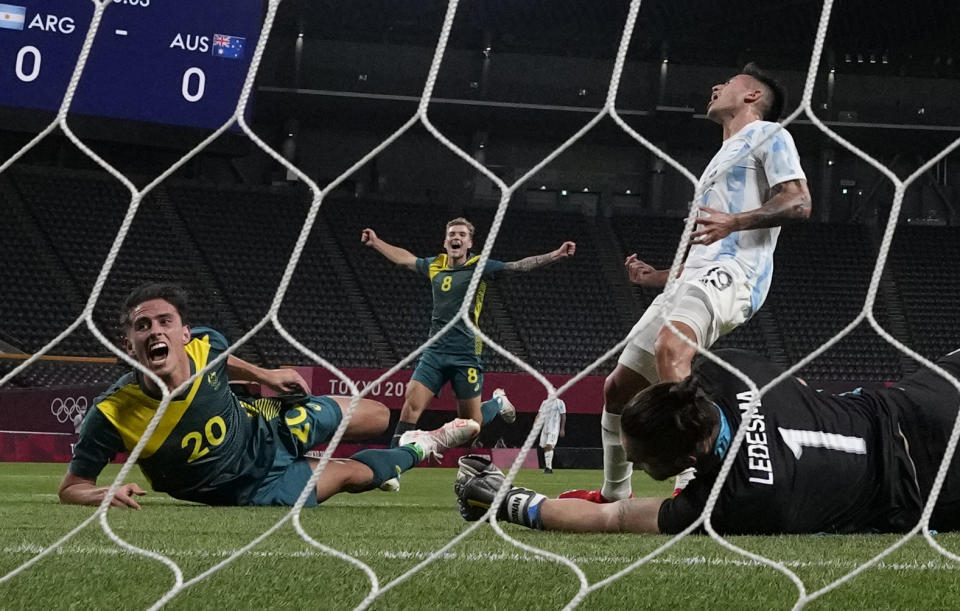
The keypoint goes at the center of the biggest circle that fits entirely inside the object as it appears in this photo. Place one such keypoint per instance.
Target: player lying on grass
(213, 448)
(810, 462)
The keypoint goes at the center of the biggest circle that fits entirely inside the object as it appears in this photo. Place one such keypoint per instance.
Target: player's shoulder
(211, 336)
(768, 131)
(124, 382)
(432, 264)
(492, 266)
(733, 355)
(756, 366)
(125, 391)
(475, 260)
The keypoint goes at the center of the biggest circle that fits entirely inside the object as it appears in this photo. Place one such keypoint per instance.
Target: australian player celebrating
(810, 462)
(455, 357)
(213, 448)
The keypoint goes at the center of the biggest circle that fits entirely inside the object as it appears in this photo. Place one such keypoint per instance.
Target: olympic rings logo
(66, 408)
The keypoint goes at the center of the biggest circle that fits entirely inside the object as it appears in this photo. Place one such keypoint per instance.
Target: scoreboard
(179, 62)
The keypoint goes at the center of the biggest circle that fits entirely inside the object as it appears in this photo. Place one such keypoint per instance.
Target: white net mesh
(421, 116)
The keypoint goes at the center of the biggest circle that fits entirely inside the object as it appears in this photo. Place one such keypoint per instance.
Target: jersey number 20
(215, 432)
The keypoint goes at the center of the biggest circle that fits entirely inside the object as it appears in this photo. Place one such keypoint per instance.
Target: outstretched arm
(529, 263)
(577, 515)
(790, 203)
(76, 490)
(280, 380)
(400, 256)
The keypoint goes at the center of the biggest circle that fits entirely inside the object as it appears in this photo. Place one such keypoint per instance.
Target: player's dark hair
(773, 107)
(169, 292)
(670, 420)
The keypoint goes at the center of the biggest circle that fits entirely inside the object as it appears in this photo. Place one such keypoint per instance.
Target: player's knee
(416, 398)
(378, 415)
(412, 407)
(616, 393)
(672, 354)
(410, 392)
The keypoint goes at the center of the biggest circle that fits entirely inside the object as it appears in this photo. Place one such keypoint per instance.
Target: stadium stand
(38, 296)
(246, 237)
(228, 245)
(563, 312)
(401, 302)
(78, 213)
(928, 292)
(820, 281)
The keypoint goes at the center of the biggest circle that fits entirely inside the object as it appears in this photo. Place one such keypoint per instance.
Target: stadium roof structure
(913, 39)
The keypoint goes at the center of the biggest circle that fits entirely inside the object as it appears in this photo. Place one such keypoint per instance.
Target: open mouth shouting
(157, 353)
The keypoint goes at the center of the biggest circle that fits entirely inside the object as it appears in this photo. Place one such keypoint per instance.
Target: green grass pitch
(392, 532)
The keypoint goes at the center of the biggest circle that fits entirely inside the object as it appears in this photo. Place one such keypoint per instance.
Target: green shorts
(304, 426)
(462, 371)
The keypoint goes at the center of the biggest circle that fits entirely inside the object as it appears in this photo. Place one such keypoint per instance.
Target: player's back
(810, 462)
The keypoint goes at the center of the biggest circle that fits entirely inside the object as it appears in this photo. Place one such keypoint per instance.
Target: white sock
(617, 471)
(548, 458)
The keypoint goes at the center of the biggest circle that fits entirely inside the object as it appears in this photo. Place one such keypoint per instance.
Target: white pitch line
(35, 433)
(696, 561)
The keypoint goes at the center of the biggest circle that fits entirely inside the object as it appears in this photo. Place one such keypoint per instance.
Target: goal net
(422, 118)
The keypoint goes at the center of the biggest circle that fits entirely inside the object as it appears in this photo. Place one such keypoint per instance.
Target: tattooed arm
(530, 263)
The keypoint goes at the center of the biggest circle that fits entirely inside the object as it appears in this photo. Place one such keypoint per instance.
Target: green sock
(387, 464)
(490, 409)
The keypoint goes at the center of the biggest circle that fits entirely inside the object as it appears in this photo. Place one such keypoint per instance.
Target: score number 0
(192, 85)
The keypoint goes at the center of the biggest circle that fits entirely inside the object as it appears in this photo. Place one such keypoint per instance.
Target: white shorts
(712, 300)
(550, 433)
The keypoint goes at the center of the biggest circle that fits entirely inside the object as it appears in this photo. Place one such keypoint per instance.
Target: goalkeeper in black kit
(810, 462)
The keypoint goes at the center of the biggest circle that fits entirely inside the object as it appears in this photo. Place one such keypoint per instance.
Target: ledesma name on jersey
(758, 453)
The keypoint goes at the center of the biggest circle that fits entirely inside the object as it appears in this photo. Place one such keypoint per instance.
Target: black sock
(402, 427)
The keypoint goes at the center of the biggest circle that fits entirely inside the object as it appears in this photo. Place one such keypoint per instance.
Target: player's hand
(566, 250)
(562, 432)
(716, 225)
(124, 496)
(640, 273)
(368, 237)
(285, 380)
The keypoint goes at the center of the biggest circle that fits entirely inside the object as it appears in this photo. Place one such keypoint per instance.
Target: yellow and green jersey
(209, 446)
(449, 288)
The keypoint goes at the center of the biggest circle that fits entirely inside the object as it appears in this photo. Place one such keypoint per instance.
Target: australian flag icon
(228, 46)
